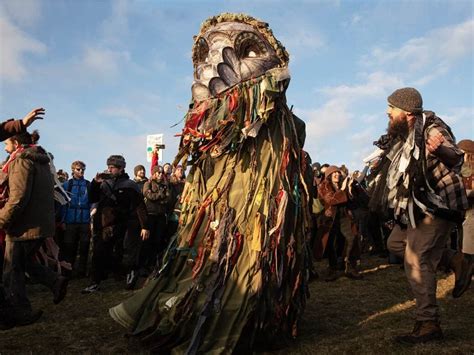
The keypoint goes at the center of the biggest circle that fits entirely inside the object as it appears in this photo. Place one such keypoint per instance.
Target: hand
(344, 183)
(434, 142)
(98, 177)
(145, 234)
(33, 115)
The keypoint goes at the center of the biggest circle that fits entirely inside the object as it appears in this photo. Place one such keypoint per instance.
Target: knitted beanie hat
(137, 169)
(407, 99)
(116, 160)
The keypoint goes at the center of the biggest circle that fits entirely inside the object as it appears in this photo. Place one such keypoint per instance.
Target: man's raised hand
(35, 114)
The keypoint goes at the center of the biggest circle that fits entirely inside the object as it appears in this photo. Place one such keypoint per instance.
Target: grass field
(342, 317)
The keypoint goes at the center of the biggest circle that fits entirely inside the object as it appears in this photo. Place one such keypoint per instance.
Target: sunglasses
(80, 169)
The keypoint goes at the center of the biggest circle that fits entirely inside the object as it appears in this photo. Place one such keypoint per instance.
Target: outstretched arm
(33, 115)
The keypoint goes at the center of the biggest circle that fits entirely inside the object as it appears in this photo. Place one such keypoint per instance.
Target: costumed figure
(236, 271)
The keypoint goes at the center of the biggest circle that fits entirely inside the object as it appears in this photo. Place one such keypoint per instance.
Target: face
(398, 122)
(78, 171)
(336, 177)
(10, 146)
(167, 168)
(178, 172)
(114, 170)
(158, 175)
(140, 174)
(229, 53)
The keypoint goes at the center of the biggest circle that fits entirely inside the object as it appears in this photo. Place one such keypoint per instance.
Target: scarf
(399, 182)
(216, 125)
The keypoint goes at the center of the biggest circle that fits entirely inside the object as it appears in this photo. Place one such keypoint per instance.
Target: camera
(104, 175)
(160, 146)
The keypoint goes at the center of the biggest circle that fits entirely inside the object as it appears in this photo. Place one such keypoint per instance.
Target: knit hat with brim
(116, 160)
(407, 99)
(331, 169)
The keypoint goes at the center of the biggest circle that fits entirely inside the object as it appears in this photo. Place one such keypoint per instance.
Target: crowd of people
(55, 228)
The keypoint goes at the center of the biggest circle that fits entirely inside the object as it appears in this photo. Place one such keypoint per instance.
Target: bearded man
(417, 179)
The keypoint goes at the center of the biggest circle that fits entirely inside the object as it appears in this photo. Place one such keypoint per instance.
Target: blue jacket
(78, 209)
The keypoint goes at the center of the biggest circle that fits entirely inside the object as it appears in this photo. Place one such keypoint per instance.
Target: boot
(7, 320)
(462, 265)
(424, 331)
(83, 257)
(351, 271)
(27, 318)
(132, 278)
(331, 275)
(60, 289)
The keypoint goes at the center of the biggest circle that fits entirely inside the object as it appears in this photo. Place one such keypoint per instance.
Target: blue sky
(111, 72)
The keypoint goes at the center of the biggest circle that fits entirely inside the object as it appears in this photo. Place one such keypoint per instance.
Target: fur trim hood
(36, 154)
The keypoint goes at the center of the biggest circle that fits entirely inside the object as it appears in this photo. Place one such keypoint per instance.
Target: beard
(398, 128)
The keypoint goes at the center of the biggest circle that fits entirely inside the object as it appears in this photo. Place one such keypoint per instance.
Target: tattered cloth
(236, 271)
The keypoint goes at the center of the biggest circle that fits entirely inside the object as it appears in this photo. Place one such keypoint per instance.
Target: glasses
(80, 169)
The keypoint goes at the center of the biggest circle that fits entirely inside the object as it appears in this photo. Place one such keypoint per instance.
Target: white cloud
(431, 55)
(115, 28)
(356, 19)
(457, 115)
(24, 12)
(15, 44)
(333, 116)
(302, 39)
(136, 107)
(376, 84)
(104, 61)
(362, 137)
(336, 113)
(120, 112)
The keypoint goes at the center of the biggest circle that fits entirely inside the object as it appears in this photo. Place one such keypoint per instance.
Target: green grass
(342, 317)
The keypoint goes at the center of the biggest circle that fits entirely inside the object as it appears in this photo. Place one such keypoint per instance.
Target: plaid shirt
(444, 180)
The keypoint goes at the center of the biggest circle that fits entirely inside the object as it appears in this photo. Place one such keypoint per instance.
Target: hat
(155, 169)
(407, 99)
(467, 145)
(137, 169)
(331, 169)
(116, 160)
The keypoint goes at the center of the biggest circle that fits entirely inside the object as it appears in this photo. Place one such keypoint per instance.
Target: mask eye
(249, 45)
(201, 51)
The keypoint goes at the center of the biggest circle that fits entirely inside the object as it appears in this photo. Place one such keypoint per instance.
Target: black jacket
(119, 201)
(157, 196)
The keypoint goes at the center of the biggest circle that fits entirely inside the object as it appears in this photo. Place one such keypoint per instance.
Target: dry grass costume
(237, 267)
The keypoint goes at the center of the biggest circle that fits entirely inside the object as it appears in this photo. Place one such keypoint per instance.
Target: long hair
(27, 138)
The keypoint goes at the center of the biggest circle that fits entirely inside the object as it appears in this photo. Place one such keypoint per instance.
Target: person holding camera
(119, 202)
(158, 195)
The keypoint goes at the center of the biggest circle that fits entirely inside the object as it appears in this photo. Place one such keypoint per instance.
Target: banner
(151, 141)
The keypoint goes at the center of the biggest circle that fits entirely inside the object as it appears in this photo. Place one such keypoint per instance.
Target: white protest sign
(151, 141)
